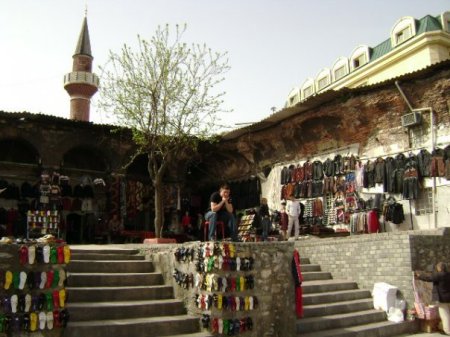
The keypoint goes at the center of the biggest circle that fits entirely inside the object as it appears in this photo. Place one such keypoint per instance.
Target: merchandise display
(222, 285)
(32, 292)
(338, 193)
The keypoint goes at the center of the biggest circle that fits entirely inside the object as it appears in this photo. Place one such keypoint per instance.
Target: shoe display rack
(246, 232)
(41, 223)
(32, 291)
(222, 285)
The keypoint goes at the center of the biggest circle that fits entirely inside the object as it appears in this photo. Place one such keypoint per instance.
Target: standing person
(293, 211)
(265, 218)
(221, 210)
(440, 292)
(284, 220)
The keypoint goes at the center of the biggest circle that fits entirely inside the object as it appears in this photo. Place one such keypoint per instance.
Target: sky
(272, 45)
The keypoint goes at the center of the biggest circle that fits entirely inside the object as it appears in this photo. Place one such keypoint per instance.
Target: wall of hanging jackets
(332, 188)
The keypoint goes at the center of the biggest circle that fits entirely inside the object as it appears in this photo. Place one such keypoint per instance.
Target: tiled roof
(84, 44)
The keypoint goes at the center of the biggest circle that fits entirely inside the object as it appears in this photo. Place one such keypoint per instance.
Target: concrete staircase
(337, 308)
(115, 292)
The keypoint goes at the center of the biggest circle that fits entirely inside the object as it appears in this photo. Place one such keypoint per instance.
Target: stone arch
(84, 157)
(18, 150)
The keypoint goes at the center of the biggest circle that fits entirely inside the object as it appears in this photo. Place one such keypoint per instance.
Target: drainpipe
(432, 145)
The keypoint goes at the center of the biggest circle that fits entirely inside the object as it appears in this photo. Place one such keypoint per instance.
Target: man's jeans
(226, 217)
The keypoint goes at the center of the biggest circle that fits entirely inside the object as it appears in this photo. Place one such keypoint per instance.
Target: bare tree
(166, 93)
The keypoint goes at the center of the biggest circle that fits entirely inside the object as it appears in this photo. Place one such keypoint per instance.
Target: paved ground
(425, 334)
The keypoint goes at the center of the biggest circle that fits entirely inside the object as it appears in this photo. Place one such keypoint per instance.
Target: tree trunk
(159, 209)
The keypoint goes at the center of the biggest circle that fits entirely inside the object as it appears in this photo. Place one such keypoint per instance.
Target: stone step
(85, 311)
(378, 329)
(97, 266)
(337, 307)
(113, 279)
(321, 286)
(325, 322)
(316, 275)
(101, 249)
(195, 334)
(108, 294)
(105, 257)
(310, 267)
(335, 296)
(148, 327)
(304, 261)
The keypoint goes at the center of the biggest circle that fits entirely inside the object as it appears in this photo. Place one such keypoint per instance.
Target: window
(359, 61)
(448, 26)
(308, 91)
(339, 73)
(323, 82)
(403, 35)
(424, 202)
(292, 100)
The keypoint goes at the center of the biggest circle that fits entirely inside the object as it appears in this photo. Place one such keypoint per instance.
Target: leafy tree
(166, 93)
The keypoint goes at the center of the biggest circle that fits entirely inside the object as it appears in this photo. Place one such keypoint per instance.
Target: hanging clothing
(298, 279)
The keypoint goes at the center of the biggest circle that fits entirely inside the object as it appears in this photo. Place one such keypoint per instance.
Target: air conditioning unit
(411, 119)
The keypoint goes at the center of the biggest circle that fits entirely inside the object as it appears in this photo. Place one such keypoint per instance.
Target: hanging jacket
(424, 163)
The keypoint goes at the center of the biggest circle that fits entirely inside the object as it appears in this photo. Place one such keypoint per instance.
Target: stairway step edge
(352, 329)
(128, 321)
(340, 316)
(331, 304)
(119, 287)
(113, 274)
(195, 334)
(122, 303)
(336, 292)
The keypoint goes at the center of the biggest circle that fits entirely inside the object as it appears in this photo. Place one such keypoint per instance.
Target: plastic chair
(206, 229)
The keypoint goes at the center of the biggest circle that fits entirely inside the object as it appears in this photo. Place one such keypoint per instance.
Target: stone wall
(384, 257)
(273, 283)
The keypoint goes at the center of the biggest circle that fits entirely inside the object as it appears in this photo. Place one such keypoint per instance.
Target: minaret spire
(81, 84)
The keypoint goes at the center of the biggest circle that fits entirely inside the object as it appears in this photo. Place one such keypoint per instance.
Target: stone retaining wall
(274, 286)
(384, 257)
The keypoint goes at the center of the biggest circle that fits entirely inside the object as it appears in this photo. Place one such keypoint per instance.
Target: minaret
(81, 84)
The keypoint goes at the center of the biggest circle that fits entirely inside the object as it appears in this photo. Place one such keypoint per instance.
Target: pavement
(425, 334)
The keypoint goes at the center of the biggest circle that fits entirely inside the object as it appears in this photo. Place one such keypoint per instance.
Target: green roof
(427, 24)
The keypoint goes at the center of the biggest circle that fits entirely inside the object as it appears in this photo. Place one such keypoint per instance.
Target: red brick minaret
(81, 84)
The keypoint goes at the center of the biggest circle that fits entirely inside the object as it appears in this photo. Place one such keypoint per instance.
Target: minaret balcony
(81, 77)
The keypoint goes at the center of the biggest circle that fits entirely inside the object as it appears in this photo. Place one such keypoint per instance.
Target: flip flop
(16, 279)
(42, 320)
(60, 254)
(50, 276)
(31, 254)
(53, 255)
(27, 303)
(30, 280)
(8, 279)
(49, 300)
(64, 317)
(33, 321)
(55, 281)
(43, 280)
(22, 279)
(62, 298)
(66, 254)
(62, 278)
(56, 319)
(46, 253)
(50, 320)
(56, 300)
(14, 300)
(23, 255)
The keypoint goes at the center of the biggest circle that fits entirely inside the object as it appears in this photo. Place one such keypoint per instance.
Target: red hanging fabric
(298, 279)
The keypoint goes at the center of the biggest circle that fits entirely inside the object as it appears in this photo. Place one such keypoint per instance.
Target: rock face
(368, 116)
